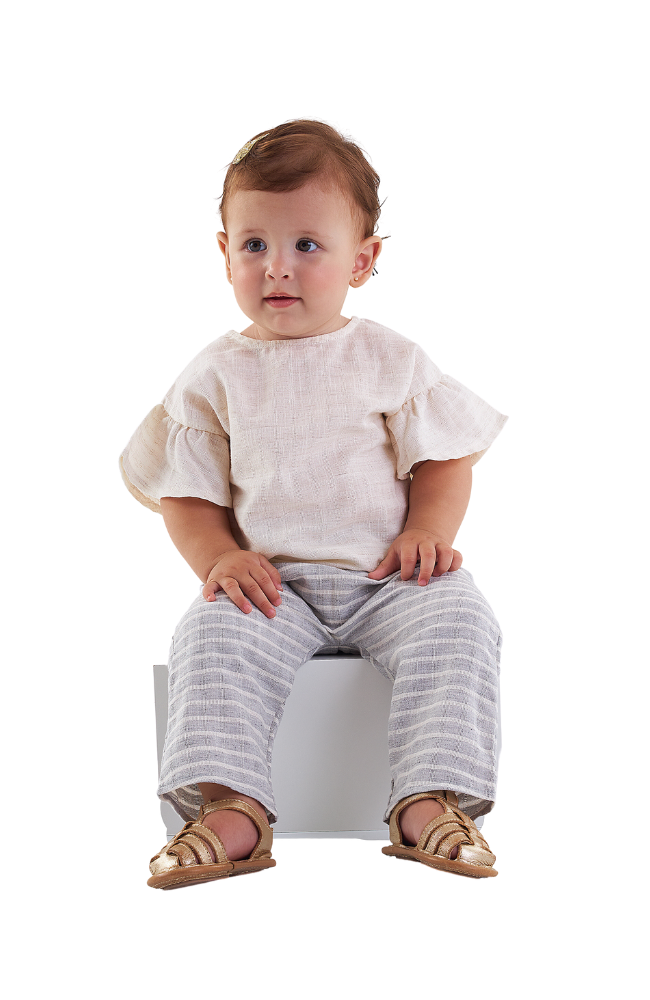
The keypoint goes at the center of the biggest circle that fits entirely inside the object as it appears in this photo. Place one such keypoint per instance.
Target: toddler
(314, 470)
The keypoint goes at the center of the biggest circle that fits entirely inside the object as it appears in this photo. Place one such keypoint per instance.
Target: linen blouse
(308, 442)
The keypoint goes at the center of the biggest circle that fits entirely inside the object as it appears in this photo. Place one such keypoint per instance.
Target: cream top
(310, 442)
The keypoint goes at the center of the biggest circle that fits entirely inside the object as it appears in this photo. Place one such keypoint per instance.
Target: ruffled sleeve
(443, 420)
(180, 449)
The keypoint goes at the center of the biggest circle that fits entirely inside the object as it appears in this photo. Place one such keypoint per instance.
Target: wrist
(446, 535)
(422, 527)
(209, 563)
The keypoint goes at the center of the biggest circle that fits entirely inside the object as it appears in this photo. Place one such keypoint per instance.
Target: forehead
(316, 205)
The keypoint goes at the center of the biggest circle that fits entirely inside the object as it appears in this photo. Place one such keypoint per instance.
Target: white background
(512, 144)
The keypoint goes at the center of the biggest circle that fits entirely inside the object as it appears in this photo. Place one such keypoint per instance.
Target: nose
(278, 268)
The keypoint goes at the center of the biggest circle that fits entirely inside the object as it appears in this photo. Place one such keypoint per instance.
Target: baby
(314, 470)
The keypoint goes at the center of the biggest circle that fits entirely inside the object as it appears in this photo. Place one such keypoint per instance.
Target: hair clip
(245, 150)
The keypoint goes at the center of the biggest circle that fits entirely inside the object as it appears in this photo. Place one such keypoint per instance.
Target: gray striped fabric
(230, 674)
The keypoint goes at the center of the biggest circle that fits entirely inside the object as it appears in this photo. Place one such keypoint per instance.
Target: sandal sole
(442, 864)
(196, 874)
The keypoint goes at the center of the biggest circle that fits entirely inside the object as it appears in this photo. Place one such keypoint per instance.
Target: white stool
(330, 771)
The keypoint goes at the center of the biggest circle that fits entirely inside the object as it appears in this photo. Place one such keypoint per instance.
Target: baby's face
(291, 257)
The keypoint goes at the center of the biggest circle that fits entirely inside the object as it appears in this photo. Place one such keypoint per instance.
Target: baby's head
(299, 210)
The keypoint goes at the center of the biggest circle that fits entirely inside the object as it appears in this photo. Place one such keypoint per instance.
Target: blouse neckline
(353, 323)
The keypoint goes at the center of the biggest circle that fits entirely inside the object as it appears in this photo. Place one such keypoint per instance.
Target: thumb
(383, 569)
(210, 590)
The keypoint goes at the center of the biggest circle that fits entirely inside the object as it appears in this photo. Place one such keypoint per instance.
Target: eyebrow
(305, 232)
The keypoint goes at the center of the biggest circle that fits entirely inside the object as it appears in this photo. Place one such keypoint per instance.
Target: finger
(427, 563)
(408, 560)
(445, 556)
(266, 583)
(457, 561)
(381, 570)
(388, 565)
(232, 589)
(210, 590)
(255, 594)
(273, 573)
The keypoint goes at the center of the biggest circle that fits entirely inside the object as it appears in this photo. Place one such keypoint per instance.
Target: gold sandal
(186, 859)
(439, 838)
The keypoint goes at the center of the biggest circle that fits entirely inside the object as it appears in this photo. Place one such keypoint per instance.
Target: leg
(229, 677)
(440, 644)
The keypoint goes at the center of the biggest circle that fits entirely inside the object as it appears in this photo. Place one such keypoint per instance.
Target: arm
(438, 499)
(439, 496)
(199, 529)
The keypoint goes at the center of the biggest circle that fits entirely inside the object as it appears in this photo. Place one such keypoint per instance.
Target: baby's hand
(433, 552)
(238, 572)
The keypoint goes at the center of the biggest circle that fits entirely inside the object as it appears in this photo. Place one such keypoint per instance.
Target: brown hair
(292, 153)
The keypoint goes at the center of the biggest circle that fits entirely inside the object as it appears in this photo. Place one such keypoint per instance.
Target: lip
(281, 301)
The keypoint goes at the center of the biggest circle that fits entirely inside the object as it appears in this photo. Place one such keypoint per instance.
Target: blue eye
(300, 245)
(255, 246)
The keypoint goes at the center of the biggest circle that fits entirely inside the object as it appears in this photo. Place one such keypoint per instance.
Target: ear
(364, 261)
(223, 246)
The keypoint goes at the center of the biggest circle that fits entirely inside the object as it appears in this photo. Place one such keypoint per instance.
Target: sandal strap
(199, 846)
(184, 845)
(443, 797)
(443, 845)
(440, 831)
(454, 828)
(265, 838)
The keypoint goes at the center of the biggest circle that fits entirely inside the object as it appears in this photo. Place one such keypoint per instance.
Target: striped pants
(230, 674)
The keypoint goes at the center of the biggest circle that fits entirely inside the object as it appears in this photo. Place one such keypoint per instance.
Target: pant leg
(230, 674)
(441, 646)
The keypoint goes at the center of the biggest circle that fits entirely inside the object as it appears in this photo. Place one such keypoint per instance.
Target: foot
(415, 817)
(235, 829)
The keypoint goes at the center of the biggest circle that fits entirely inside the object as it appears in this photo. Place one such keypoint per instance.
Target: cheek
(328, 276)
(243, 274)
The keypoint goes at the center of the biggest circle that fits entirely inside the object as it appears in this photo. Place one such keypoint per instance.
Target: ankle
(236, 831)
(212, 792)
(415, 817)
